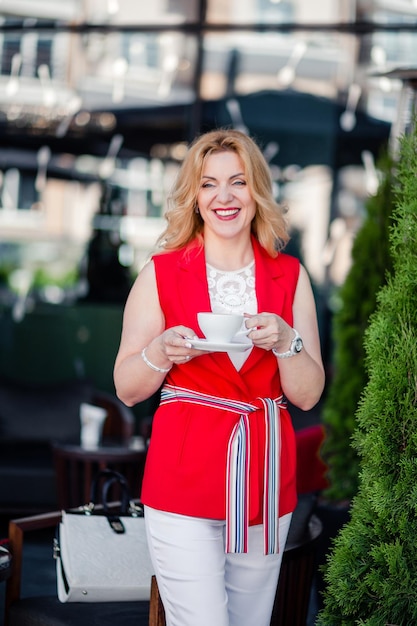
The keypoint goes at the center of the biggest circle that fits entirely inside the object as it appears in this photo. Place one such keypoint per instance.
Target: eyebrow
(240, 174)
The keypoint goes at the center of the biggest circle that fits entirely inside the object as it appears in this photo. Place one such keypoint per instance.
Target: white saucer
(214, 346)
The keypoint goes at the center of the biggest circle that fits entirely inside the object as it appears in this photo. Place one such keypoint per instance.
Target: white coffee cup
(92, 420)
(219, 327)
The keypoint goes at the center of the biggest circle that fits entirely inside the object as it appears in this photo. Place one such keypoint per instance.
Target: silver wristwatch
(295, 347)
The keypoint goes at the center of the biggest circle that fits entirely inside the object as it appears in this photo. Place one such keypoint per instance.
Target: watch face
(298, 345)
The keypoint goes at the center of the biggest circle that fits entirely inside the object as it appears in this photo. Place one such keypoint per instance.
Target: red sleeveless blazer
(186, 463)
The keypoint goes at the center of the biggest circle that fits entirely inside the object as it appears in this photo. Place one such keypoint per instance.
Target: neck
(228, 255)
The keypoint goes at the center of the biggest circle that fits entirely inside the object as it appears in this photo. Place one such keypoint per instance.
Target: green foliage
(4, 274)
(42, 278)
(371, 572)
(370, 263)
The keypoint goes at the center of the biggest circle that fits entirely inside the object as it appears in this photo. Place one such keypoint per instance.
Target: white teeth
(226, 212)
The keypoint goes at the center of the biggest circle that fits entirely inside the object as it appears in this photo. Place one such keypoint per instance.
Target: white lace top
(233, 292)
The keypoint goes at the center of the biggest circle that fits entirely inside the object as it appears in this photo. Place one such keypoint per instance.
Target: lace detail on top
(232, 292)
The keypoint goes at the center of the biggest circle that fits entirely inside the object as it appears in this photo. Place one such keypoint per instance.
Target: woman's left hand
(269, 331)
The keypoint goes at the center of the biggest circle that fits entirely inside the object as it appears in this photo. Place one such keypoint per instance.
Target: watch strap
(291, 351)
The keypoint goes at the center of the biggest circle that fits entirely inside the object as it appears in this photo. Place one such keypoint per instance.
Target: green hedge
(371, 573)
(371, 261)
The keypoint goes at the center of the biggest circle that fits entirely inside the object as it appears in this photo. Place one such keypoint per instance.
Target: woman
(219, 483)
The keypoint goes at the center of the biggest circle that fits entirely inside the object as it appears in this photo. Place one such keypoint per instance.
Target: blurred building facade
(72, 73)
(100, 98)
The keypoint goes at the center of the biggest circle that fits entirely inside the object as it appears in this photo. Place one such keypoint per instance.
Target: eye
(206, 185)
(241, 183)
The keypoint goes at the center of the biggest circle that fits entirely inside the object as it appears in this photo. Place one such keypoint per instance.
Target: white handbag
(102, 555)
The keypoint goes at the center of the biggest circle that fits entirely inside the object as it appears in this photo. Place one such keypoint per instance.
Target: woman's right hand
(174, 345)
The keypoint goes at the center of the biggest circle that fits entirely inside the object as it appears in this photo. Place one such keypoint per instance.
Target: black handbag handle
(125, 499)
(111, 477)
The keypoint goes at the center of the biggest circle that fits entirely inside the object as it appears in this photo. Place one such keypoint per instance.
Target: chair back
(75, 468)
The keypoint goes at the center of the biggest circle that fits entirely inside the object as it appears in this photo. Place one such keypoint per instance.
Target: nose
(224, 193)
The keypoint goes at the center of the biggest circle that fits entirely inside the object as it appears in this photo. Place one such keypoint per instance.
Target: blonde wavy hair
(269, 225)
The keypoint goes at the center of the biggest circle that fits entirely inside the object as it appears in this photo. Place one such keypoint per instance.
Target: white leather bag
(102, 556)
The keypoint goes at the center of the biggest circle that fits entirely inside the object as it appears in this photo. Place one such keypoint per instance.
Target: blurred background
(98, 102)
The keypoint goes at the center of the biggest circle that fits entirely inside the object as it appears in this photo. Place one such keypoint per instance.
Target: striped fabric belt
(238, 461)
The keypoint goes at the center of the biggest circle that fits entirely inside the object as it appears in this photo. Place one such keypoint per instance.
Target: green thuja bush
(371, 573)
(370, 262)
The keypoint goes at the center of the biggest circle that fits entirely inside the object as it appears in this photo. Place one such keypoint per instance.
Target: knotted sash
(238, 462)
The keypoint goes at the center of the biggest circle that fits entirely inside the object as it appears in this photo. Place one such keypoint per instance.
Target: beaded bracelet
(151, 365)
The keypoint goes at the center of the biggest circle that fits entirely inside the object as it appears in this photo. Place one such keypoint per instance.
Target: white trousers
(201, 585)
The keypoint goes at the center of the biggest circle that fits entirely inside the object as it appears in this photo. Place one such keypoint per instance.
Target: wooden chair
(119, 425)
(156, 608)
(48, 611)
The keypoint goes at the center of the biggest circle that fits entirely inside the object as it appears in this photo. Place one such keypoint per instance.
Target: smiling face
(224, 200)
